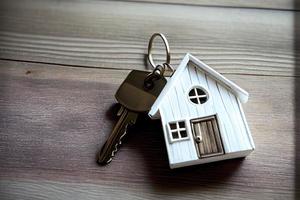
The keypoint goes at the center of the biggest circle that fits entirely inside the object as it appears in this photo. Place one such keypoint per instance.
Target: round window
(198, 95)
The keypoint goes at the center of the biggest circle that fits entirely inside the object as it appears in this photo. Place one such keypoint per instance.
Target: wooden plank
(54, 119)
(115, 35)
(185, 84)
(267, 4)
(51, 190)
(239, 143)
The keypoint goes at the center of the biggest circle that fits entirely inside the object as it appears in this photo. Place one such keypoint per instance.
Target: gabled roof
(235, 89)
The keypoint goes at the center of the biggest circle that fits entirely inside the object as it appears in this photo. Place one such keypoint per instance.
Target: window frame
(177, 129)
(207, 95)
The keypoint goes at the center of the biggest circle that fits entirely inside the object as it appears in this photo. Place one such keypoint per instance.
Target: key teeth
(107, 162)
(113, 153)
(130, 119)
(104, 162)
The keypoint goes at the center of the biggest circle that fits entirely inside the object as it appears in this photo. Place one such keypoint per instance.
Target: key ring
(160, 69)
(164, 39)
(165, 65)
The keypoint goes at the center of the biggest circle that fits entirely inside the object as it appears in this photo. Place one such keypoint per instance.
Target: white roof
(235, 89)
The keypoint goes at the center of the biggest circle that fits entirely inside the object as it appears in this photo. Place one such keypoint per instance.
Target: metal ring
(164, 39)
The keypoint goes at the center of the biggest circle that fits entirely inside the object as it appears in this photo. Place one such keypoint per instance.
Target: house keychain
(201, 113)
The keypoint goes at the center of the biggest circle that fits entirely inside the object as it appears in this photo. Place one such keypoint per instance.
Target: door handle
(198, 139)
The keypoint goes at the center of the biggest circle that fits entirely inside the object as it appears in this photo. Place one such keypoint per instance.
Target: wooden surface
(265, 4)
(62, 61)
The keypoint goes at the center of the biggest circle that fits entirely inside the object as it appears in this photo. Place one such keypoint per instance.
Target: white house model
(202, 117)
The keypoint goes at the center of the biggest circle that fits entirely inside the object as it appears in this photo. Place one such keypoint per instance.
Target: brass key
(136, 95)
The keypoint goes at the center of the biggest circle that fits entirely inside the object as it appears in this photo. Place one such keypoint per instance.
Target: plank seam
(127, 69)
(212, 6)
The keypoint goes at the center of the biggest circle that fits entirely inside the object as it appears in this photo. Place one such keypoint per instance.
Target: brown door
(207, 136)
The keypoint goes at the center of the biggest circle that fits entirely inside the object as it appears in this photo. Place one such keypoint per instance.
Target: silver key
(135, 98)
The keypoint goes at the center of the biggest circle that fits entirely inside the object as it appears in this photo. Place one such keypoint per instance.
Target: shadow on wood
(147, 137)
(55, 119)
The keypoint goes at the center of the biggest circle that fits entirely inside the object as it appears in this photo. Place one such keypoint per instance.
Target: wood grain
(115, 35)
(53, 120)
(62, 61)
(264, 4)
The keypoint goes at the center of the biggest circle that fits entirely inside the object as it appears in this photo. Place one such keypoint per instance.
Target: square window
(181, 124)
(177, 130)
(183, 134)
(175, 135)
(173, 126)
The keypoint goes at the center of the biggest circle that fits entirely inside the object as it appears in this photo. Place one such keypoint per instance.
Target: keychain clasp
(154, 76)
